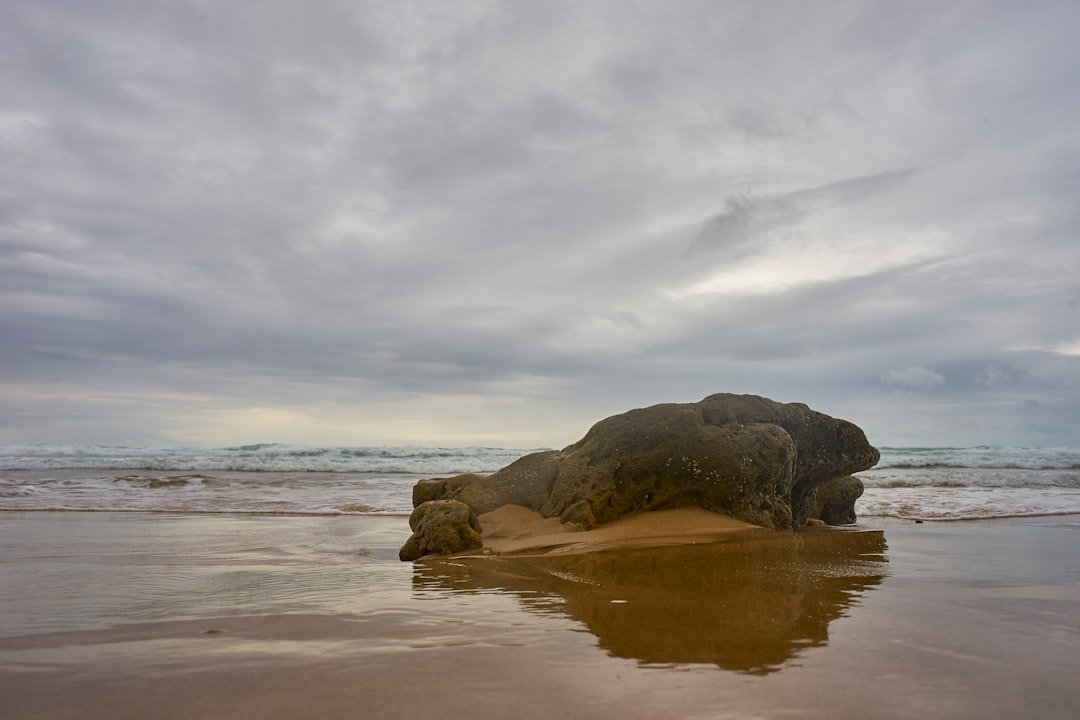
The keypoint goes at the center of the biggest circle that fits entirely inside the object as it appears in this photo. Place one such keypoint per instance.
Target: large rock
(835, 500)
(742, 455)
(441, 527)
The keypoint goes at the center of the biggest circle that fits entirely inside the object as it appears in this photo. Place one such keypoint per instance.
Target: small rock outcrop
(441, 527)
(745, 456)
(835, 500)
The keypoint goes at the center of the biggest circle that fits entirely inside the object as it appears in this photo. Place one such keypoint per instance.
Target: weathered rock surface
(835, 500)
(441, 527)
(742, 455)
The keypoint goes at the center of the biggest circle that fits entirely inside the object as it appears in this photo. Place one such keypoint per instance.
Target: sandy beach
(514, 530)
(132, 615)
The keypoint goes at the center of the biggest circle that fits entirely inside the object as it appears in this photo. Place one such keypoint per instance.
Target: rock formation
(835, 500)
(441, 527)
(741, 455)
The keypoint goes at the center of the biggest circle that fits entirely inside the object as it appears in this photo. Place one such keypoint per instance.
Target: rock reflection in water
(748, 605)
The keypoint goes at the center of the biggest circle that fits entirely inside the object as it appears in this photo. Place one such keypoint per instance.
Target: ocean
(937, 484)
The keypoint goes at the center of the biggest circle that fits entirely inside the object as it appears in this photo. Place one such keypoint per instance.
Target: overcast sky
(495, 223)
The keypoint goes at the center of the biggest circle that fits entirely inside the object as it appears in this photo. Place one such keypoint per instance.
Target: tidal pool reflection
(749, 604)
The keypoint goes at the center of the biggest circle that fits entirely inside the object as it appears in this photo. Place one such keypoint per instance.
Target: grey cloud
(758, 121)
(851, 190)
(279, 205)
(913, 378)
(734, 231)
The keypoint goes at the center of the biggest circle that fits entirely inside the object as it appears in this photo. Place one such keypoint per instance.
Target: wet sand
(106, 615)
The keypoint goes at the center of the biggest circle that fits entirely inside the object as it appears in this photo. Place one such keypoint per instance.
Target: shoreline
(867, 522)
(219, 616)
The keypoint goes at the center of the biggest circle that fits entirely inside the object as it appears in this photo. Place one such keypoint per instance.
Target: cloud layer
(494, 223)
